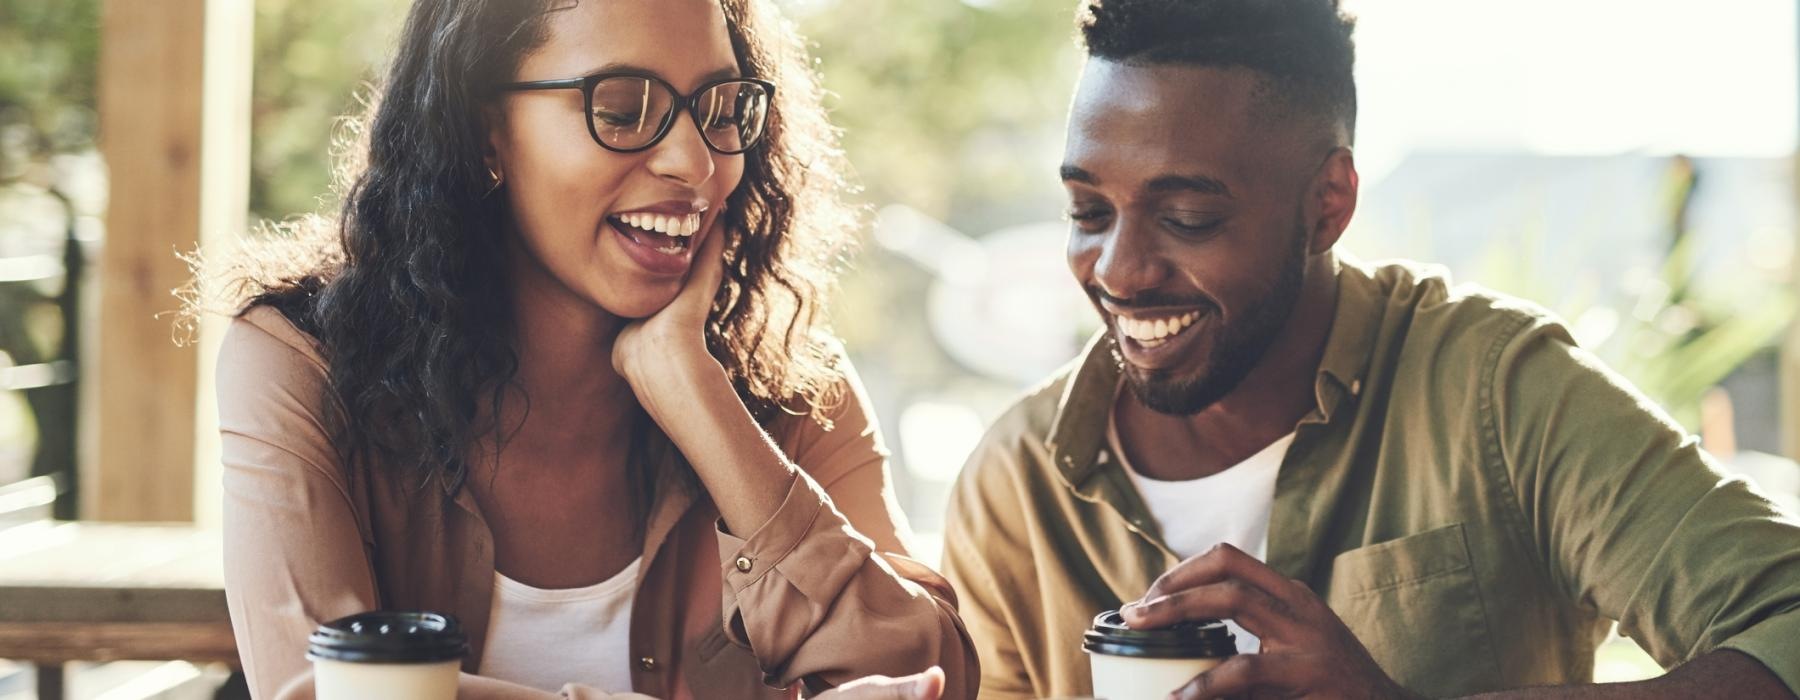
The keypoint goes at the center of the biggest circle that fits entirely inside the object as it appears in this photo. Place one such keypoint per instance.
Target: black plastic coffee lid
(389, 637)
(1197, 639)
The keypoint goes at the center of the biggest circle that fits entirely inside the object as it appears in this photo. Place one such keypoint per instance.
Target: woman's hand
(671, 343)
(919, 686)
(687, 392)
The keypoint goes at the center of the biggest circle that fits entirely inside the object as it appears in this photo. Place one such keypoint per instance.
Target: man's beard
(1238, 349)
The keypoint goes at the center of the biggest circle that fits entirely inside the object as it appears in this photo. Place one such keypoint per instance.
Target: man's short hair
(1303, 48)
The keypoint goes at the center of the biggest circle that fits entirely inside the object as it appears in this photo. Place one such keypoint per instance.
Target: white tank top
(544, 638)
(1230, 506)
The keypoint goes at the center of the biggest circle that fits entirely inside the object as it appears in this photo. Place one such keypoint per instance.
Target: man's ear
(1333, 200)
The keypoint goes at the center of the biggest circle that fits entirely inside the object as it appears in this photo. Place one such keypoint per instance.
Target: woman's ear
(493, 122)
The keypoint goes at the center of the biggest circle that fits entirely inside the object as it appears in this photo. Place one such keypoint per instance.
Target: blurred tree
(48, 51)
(313, 63)
(1676, 335)
(953, 107)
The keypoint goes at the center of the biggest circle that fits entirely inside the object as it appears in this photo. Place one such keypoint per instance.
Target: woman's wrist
(676, 383)
(743, 470)
(688, 393)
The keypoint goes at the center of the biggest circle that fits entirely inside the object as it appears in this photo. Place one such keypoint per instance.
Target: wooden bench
(86, 591)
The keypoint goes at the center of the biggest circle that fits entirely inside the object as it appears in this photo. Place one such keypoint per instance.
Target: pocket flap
(1397, 562)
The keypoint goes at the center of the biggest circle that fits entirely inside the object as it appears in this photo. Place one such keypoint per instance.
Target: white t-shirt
(544, 638)
(1230, 506)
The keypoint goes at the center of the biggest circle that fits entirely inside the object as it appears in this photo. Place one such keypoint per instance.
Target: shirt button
(647, 664)
(743, 564)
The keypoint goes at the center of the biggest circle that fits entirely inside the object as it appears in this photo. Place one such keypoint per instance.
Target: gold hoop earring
(497, 178)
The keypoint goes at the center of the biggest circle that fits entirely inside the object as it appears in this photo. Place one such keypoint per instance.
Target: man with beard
(1389, 484)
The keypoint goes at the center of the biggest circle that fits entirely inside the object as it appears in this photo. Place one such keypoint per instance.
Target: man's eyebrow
(1071, 173)
(1161, 184)
(1189, 183)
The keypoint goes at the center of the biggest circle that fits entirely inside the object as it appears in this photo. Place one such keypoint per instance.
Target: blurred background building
(1626, 163)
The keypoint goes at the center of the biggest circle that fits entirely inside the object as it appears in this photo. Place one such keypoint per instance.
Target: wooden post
(174, 128)
(1789, 370)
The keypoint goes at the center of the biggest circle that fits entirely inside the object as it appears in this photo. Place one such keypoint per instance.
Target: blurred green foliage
(1678, 333)
(951, 107)
(48, 53)
(314, 61)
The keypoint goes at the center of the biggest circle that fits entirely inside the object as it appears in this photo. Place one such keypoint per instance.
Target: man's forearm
(1719, 674)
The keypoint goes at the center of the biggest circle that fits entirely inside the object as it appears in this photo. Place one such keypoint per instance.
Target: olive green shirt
(1476, 497)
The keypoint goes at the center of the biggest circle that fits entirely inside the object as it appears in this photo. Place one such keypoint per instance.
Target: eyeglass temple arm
(543, 85)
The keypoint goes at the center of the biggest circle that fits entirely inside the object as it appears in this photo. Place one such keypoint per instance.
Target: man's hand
(919, 686)
(1307, 652)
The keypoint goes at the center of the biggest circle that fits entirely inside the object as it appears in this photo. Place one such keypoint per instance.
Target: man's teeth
(1155, 330)
(681, 226)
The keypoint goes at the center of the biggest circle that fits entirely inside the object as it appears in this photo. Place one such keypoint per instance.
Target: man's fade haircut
(1302, 48)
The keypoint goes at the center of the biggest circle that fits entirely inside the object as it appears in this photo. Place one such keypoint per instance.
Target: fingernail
(932, 680)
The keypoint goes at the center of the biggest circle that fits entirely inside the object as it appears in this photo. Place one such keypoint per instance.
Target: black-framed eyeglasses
(629, 112)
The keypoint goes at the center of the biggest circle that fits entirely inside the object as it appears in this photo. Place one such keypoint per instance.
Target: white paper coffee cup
(387, 656)
(1133, 664)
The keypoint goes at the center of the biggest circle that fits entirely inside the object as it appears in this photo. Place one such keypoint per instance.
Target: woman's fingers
(708, 271)
(919, 686)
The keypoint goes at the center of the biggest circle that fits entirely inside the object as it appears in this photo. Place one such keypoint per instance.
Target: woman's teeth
(1151, 332)
(680, 226)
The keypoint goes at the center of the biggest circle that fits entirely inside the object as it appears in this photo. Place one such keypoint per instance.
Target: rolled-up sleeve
(824, 592)
(1633, 518)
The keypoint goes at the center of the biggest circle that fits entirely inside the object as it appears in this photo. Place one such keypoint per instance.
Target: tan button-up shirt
(1476, 497)
(820, 595)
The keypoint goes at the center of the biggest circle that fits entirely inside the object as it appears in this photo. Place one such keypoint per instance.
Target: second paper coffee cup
(1132, 664)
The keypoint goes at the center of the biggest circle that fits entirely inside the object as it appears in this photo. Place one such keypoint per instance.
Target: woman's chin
(636, 307)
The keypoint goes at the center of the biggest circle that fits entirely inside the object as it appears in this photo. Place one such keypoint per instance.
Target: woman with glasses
(560, 369)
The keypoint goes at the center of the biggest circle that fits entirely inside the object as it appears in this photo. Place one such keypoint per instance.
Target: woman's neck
(565, 347)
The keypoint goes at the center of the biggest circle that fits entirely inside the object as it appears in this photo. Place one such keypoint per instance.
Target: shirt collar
(1079, 428)
(1354, 327)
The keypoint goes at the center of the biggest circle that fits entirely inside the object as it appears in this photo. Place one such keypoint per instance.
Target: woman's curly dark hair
(403, 290)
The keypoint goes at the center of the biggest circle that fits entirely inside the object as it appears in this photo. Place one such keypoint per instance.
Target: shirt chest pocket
(1415, 604)
(716, 668)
